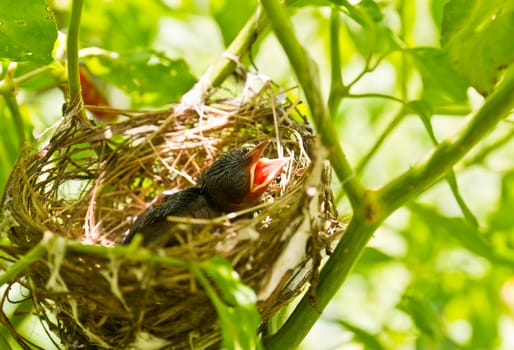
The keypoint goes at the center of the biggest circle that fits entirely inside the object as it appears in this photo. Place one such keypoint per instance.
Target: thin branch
(451, 178)
(132, 252)
(378, 95)
(232, 56)
(417, 179)
(307, 76)
(378, 205)
(23, 263)
(33, 74)
(387, 131)
(484, 152)
(331, 278)
(8, 91)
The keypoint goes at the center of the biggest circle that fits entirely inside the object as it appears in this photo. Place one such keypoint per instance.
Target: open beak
(263, 170)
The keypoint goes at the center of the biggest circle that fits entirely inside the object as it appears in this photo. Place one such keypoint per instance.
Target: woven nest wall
(89, 182)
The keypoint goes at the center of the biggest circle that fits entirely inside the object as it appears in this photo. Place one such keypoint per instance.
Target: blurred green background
(432, 277)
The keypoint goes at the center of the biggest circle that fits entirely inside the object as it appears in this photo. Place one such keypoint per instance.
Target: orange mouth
(263, 170)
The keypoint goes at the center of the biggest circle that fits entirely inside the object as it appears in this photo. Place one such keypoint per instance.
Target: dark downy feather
(222, 189)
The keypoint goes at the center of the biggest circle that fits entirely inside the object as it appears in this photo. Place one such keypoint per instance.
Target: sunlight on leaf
(373, 36)
(149, 78)
(235, 304)
(231, 15)
(442, 84)
(464, 233)
(369, 340)
(476, 34)
(503, 219)
(27, 31)
(424, 315)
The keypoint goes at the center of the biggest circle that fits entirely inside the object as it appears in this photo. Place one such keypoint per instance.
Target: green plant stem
(8, 91)
(237, 49)
(307, 76)
(331, 278)
(72, 47)
(23, 263)
(32, 74)
(451, 178)
(378, 205)
(377, 95)
(374, 149)
(14, 108)
(337, 89)
(417, 179)
(132, 252)
(484, 152)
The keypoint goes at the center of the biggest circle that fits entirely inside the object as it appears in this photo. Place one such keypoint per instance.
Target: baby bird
(233, 182)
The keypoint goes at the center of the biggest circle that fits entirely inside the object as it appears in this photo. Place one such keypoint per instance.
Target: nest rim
(307, 159)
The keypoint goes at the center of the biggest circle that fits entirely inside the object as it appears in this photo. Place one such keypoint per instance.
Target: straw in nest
(89, 182)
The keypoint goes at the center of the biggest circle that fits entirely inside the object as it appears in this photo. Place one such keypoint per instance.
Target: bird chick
(235, 181)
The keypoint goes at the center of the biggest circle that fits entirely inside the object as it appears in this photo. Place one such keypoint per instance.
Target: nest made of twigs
(89, 182)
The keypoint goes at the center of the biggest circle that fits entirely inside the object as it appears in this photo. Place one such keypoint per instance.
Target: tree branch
(416, 180)
(307, 76)
(238, 48)
(378, 205)
(337, 88)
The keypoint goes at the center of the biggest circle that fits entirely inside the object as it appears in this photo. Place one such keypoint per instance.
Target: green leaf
(371, 258)
(373, 36)
(235, 304)
(27, 31)
(477, 35)
(149, 78)
(53, 75)
(372, 9)
(369, 340)
(4, 344)
(443, 86)
(305, 3)
(503, 218)
(424, 315)
(466, 234)
(437, 9)
(231, 15)
(484, 305)
(116, 26)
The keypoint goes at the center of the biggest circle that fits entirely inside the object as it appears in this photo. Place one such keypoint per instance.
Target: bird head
(237, 178)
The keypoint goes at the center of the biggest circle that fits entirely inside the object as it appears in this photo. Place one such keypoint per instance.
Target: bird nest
(78, 193)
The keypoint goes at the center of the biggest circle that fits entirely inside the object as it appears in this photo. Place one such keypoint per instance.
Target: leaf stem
(484, 152)
(33, 74)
